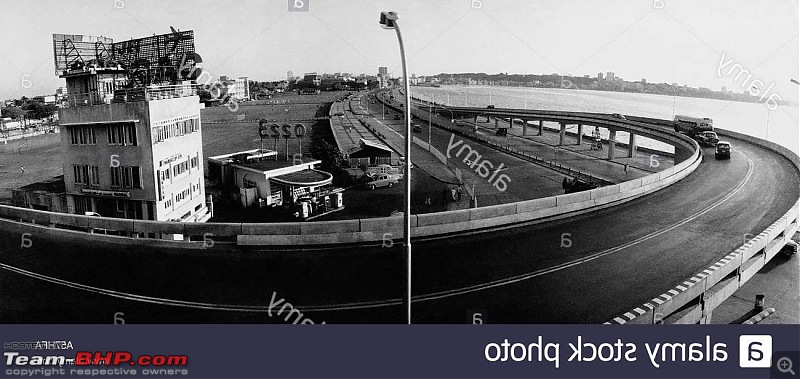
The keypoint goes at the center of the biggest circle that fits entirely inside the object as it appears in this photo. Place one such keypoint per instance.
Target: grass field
(39, 155)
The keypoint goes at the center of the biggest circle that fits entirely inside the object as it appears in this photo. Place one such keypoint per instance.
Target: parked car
(380, 169)
(723, 150)
(381, 180)
(416, 128)
(397, 117)
(618, 115)
(707, 138)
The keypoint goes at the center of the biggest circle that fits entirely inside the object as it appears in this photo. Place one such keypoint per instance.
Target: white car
(381, 180)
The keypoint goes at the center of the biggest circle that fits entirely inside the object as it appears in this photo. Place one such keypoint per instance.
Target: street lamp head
(388, 20)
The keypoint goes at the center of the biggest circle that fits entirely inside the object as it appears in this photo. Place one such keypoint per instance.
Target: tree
(39, 110)
(13, 112)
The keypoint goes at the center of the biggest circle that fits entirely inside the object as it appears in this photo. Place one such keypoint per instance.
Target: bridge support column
(580, 134)
(510, 122)
(632, 146)
(524, 127)
(496, 122)
(612, 143)
(561, 133)
(541, 127)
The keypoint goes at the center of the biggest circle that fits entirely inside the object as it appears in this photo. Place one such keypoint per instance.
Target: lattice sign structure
(74, 52)
(159, 59)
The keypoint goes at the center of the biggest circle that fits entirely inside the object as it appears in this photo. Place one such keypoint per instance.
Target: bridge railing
(694, 300)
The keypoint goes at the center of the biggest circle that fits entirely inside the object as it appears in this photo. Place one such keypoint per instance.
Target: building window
(94, 176)
(122, 134)
(136, 177)
(194, 162)
(180, 168)
(116, 177)
(83, 204)
(126, 177)
(172, 129)
(81, 174)
(82, 135)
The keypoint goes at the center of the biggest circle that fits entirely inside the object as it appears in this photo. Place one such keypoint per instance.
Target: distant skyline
(684, 42)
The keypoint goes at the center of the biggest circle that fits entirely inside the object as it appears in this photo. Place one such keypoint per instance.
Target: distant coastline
(598, 83)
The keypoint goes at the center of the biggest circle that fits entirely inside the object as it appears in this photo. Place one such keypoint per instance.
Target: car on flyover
(619, 116)
(723, 150)
(417, 128)
(381, 180)
(707, 138)
(790, 248)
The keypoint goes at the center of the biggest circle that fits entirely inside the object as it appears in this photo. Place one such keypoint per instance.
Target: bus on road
(693, 125)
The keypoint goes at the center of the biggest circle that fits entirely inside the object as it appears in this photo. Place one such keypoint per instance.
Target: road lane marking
(388, 302)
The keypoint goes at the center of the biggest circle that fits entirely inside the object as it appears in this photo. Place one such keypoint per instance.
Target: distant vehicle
(501, 132)
(693, 125)
(417, 128)
(619, 116)
(381, 180)
(723, 150)
(397, 117)
(707, 138)
(490, 107)
(380, 169)
(790, 248)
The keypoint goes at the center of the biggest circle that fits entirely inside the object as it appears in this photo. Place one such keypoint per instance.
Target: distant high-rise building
(609, 75)
(289, 76)
(600, 76)
(724, 89)
(644, 81)
(223, 78)
(383, 71)
(313, 78)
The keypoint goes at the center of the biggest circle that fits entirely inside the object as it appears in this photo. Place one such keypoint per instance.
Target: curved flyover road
(585, 269)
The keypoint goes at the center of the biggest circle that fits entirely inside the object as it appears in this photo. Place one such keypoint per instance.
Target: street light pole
(674, 95)
(430, 111)
(389, 21)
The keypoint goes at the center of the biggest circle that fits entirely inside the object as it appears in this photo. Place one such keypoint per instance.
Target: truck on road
(693, 125)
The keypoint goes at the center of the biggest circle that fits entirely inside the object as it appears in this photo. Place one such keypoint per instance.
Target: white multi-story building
(132, 153)
(238, 88)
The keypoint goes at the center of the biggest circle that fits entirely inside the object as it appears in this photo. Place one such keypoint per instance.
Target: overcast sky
(683, 41)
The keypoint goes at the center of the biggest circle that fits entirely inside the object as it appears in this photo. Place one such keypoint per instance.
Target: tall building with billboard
(130, 127)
